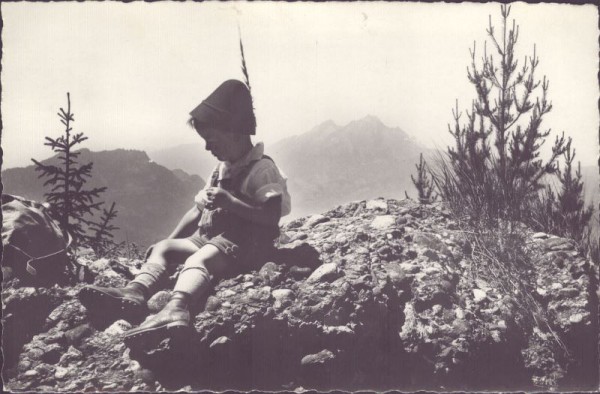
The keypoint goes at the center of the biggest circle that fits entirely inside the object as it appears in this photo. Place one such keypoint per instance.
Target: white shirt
(264, 181)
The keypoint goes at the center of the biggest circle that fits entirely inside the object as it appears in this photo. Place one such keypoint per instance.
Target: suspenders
(234, 185)
(216, 221)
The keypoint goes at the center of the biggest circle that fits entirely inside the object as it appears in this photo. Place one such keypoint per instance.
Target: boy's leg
(199, 268)
(193, 282)
(130, 301)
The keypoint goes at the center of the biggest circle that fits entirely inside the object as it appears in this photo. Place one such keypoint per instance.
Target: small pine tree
(570, 212)
(423, 182)
(101, 241)
(494, 165)
(71, 203)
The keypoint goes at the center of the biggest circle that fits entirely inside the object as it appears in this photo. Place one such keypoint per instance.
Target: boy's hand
(201, 200)
(218, 198)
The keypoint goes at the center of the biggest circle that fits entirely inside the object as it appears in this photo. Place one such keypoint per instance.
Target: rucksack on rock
(34, 244)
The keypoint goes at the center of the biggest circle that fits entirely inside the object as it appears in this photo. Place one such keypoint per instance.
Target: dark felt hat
(229, 108)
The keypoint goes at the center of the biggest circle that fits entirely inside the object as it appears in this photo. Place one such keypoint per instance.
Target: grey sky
(136, 70)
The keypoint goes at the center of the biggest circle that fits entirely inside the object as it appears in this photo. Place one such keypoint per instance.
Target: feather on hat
(230, 107)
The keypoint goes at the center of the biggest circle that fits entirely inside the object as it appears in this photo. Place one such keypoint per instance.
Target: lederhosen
(243, 233)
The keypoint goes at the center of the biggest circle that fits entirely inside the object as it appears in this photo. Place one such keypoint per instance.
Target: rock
(99, 266)
(541, 291)
(118, 328)
(539, 236)
(270, 273)
(326, 273)
(51, 353)
(383, 222)
(479, 295)
(61, 372)
(212, 304)
(314, 220)
(227, 293)
(362, 250)
(72, 355)
(145, 375)
(432, 242)
(299, 253)
(299, 272)
(220, 342)
(410, 268)
(342, 282)
(75, 335)
(377, 205)
(298, 237)
(323, 357)
(341, 239)
(431, 255)
(31, 373)
(158, 301)
(576, 318)
(283, 294)
(568, 292)
(262, 294)
(558, 244)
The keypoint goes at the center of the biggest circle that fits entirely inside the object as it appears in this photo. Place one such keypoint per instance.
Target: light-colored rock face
(375, 295)
(383, 222)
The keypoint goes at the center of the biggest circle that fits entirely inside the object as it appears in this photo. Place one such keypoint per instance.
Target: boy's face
(219, 143)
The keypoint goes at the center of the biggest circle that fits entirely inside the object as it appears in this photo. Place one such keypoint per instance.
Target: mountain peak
(370, 122)
(325, 127)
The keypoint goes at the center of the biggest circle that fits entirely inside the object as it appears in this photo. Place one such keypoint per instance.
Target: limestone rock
(383, 222)
(118, 328)
(374, 295)
(326, 272)
(314, 220)
(322, 357)
(374, 205)
(158, 301)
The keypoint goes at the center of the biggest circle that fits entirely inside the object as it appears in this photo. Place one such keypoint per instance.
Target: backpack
(34, 245)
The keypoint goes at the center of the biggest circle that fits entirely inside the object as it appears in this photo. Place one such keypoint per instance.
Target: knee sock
(151, 277)
(179, 300)
(194, 281)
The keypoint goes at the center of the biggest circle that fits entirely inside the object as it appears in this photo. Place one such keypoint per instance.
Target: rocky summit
(378, 295)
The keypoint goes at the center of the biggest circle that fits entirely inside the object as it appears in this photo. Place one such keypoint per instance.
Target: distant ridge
(149, 197)
(333, 164)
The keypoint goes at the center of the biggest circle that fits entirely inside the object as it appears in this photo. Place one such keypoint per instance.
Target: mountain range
(150, 199)
(328, 165)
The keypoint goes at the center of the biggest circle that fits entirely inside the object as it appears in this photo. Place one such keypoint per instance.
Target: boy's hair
(197, 125)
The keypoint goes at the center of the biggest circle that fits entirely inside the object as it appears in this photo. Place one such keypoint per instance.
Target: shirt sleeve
(266, 182)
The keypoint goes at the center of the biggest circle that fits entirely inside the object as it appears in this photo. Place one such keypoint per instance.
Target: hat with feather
(230, 106)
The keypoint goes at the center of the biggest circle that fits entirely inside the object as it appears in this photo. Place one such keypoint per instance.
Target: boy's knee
(196, 263)
(163, 248)
(208, 259)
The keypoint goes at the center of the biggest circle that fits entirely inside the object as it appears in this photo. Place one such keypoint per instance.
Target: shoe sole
(100, 303)
(151, 338)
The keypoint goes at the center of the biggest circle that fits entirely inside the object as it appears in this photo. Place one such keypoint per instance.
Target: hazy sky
(135, 70)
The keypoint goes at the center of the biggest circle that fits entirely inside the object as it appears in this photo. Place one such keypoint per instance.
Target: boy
(234, 221)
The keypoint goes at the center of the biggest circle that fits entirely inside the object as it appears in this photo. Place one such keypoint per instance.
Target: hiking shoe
(124, 303)
(172, 322)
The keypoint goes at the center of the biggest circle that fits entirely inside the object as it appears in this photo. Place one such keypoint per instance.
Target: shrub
(424, 183)
(494, 169)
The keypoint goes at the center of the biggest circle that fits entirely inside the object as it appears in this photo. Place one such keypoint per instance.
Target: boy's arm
(268, 213)
(187, 225)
